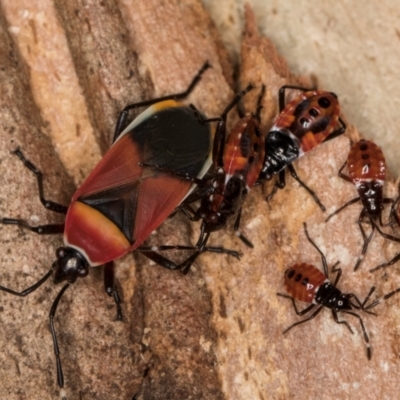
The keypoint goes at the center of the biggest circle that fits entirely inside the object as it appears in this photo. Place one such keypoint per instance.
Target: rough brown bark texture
(217, 332)
(104, 61)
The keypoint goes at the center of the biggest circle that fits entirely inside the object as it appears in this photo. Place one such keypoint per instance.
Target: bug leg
(349, 203)
(366, 338)
(367, 239)
(361, 305)
(50, 229)
(393, 214)
(372, 290)
(236, 100)
(336, 319)
(342, 175)
(196, 195)
(200, 117)
(123, 116)
(151, 253)
(383, 234)
(280, 183)
(221, 250)
(312, 316)
(200, 245)
(153, 249)
(391, 221)
(338, 131)
(323, 259)
(169, 264)
(301, 183)
(298, 312)
(387, 264)
(238, 233)
(282, 94)
(60, 375)
(338, 272)
(48, 204)
(110, 288)
(259, 105)
(159, 259)
(376, 302)
(190, 213)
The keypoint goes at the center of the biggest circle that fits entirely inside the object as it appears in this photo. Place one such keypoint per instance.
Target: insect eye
(324, 102)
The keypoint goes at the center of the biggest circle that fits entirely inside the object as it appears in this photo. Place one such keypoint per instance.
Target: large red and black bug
(121, 202)
(305, 122)
(305, 282)
(237, 163)
(367, 171)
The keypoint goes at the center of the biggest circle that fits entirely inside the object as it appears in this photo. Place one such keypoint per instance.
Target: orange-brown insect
(237, 162)
(367, 171)
(305, 122)
(304, 282)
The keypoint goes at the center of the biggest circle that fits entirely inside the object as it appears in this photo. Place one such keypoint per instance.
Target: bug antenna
(323, 259)
(376, 302)
(259, 105)
(383, 234)
(60, 375)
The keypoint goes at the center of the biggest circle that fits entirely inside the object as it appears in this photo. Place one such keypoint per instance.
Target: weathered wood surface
(217, 332)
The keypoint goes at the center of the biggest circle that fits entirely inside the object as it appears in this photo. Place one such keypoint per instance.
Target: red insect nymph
(238, 163)
(367, 171)
(305, 122)
(304, 282)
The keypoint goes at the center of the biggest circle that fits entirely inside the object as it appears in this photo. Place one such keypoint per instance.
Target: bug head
(69, 266)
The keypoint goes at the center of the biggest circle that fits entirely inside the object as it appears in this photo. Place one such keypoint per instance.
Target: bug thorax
(343, 302)
(371, 195)
(331, 297)
(280, 151)
(69, 266)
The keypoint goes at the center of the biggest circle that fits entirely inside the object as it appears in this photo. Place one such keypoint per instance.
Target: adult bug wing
(138, 199)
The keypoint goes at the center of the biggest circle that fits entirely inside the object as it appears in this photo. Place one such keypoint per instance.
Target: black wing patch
(175, 140)
(118, 204)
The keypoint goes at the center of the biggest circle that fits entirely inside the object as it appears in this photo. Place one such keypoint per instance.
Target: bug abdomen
(366, 162)
(302, 281)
